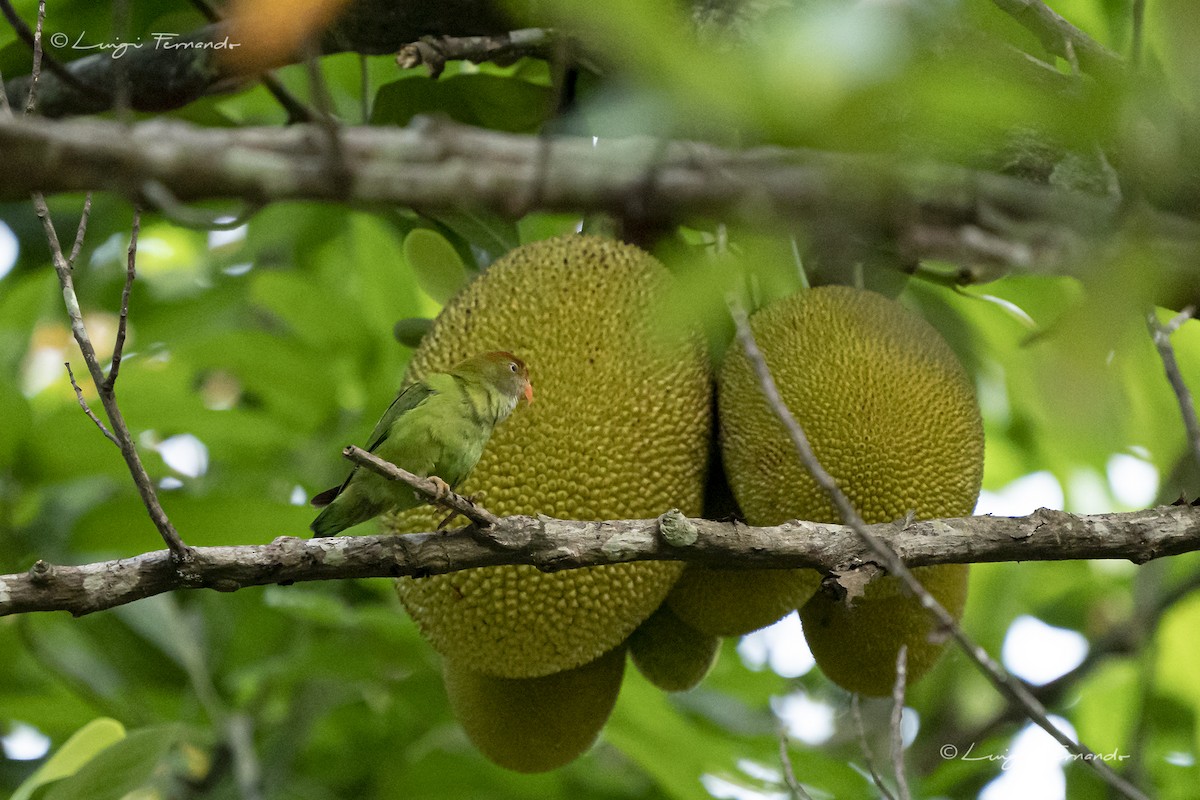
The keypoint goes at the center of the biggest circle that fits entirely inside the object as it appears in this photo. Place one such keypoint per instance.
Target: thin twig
(296, 110)
(434, 51)
(897, 719)
(88, 409)
(80, 230)
(1123, 638)
(795, 790)
(1011, 688)
(337, 165)
(1166, 351)
(31, 100)
(180, 551)
(865, 746)
(28, 37)
(168, 205)
(123, 319)
(454, 502)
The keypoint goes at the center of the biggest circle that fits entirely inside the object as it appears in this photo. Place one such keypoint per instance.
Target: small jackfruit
(619, 430)
(535, 724)
(857, 646)
(672, 655)
(892, 416)
(733, 602)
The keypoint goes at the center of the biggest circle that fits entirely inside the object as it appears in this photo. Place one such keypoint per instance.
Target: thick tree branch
(935, 211)
(553, 545)
(164, 75)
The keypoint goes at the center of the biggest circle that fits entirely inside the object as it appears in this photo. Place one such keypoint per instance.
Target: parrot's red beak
(529, 393)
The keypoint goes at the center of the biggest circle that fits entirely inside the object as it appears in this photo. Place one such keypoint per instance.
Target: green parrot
(436, 428)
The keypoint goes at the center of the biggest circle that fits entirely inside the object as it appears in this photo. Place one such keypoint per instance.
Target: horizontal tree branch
(553, 545)
(167, 75)
(933, 210)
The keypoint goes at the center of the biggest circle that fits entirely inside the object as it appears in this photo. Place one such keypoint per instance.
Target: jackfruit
(892, 416)
(734, 602)
(535, 724)
(856, 647)
(672, 655)
(619, 430)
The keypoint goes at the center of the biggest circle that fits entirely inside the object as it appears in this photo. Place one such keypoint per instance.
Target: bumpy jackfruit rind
(890, 413)
(619, 430)
(736, 602)
(856, 647)
(671, 654)
(535, 724)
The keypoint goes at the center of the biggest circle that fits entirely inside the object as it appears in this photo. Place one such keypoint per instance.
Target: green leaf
(488, 235)
(77, 751)
(411, 330)
(123, 767)
(439, 270)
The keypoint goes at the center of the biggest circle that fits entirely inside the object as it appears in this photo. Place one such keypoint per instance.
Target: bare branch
(108, 398)
(123, 320)
(795, 790)
(32, 41)
(552, 545)
(296, 110)
(1012, 689)
(434, 51)
(31, 98)
(1166, 351)
(88, 409)
(865, 746)
(80, 230)
(438, 165)
(897, 719)
(457, 503)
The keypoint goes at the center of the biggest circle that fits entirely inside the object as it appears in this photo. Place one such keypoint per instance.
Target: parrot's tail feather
(326, 497)
(336, 517)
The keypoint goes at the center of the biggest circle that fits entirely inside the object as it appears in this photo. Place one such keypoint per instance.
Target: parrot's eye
(512, 366)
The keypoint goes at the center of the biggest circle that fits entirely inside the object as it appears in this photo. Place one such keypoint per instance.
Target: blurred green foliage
(273, 347)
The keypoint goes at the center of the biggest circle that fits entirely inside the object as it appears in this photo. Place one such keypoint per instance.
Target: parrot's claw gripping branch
(434, 490)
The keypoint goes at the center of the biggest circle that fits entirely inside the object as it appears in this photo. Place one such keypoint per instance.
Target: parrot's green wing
(406, 401)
